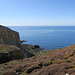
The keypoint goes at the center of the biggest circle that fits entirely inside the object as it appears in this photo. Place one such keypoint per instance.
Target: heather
(49, 62)
(25, 59)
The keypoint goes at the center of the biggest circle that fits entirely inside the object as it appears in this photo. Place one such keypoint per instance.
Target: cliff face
(8, 36)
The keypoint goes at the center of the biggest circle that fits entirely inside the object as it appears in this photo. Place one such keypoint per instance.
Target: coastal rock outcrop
(9, 52)
(8, 36)
(33, 49)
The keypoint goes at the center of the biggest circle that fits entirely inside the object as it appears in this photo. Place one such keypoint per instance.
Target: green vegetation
(4, 50)
(7, 48)
(7, 69)
(43, 53)
(0, 74)
(2, 64)
(0, 68)
(15, 47)
(16, 62)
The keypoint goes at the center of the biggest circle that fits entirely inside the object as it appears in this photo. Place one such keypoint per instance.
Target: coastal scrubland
(49, 62)
(24, 59)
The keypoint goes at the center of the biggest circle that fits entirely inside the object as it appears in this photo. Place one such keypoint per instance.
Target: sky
(37, 12)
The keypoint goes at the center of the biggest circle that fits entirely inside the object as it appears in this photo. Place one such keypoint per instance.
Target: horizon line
(36, 25)
(39, 25)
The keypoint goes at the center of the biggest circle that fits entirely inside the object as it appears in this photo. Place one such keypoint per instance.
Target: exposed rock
(23, 41)
(35, 50)
(36, 46)
(8, 36)
(9, 52)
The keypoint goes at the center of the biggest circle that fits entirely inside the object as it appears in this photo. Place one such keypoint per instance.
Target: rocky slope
(9, 52)
(10, 37)
(33, 49)
(49, 62)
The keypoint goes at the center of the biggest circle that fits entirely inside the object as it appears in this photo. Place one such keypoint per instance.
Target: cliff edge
(8, 36)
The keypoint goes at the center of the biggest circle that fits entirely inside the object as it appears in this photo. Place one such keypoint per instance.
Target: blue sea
(48, 37)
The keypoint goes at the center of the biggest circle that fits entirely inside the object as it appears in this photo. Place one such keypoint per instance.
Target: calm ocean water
(48, 37)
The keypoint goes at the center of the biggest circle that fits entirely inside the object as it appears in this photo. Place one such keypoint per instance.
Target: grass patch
(7, 69)
(4, 51)
(2, 64)
(7, 48)
(73, 65)
(15, 47)
(16, 62)
(0, 68)
(0, 74)
(43, 53)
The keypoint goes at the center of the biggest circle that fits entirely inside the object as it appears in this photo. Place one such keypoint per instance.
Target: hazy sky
(37, 12)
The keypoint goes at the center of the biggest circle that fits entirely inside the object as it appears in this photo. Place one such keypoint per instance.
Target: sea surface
(48, 37)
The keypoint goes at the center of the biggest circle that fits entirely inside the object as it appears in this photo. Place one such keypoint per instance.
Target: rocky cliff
(8, 36)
